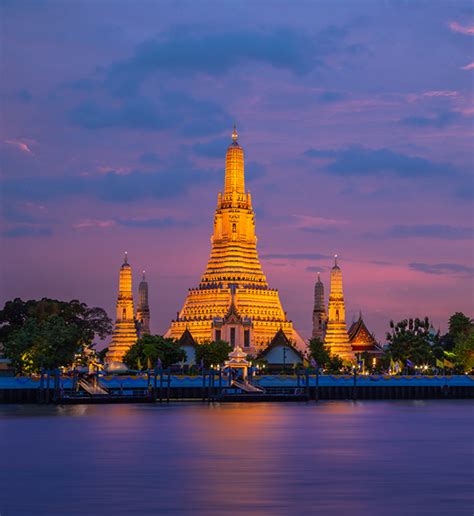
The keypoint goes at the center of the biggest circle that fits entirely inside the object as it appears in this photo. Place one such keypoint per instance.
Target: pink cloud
(469, 66)
(93, 223)
(20, 145)
(457, 27)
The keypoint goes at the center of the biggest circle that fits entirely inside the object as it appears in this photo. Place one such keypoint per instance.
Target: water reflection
(326, 458)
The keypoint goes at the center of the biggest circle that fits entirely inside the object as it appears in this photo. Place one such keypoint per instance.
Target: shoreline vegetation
(48, 334)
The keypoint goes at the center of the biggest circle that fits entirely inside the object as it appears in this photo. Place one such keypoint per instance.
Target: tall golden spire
(234, 277)
(337, 339)
(125, 334)
(234, 168)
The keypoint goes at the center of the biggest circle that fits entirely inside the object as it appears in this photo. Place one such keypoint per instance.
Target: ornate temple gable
(361, 339)
(232, 316)
(186, 339)
(280, 340)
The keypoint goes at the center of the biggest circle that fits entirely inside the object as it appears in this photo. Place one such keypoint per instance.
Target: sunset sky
(356, 119)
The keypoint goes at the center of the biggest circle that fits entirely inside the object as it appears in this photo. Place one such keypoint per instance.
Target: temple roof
(359, 331)
(280, 339)
(187, 339)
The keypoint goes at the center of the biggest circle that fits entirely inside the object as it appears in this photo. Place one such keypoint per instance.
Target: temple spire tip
(234, 134)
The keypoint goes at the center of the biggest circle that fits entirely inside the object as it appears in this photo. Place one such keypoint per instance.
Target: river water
(363, 458)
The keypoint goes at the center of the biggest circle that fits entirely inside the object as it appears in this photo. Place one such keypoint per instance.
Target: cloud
(469, 66)
(440, 231)
(440, 120)
(21, 145)
(150, 158)
(26, 231)
(188, 52)
(93, 223)
(165, 222)
(316, 268)
(296, 256)
(110, 186)
(360, 161)
(214, 54)
(328, 97)
(170, 110)
(442, 268)
(462, 29)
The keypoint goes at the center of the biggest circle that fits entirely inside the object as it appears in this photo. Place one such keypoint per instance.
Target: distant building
(188, 345)
(125, 334)
(319, 310)
(281, 352)
(361, 339)
(143, 309)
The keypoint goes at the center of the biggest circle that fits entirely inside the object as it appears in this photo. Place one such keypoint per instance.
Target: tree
(150, 348)
(320, 354)
(459, 325)
(49, 333)
(47, 344)
(213, 353)
(91, 321)
(464, 351)
(414, 340)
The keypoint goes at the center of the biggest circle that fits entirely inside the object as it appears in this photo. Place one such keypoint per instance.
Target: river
(362, 458)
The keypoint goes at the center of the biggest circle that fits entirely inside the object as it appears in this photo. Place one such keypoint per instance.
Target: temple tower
(233, 300)
(143, 309)
(337, 339)
(125, 333)
(319, 310)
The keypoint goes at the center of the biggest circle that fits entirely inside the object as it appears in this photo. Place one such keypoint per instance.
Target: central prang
(233, 301)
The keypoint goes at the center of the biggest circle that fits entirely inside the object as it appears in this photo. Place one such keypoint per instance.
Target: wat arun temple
(233, 300)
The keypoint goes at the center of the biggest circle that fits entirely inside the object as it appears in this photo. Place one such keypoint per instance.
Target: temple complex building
(143, 309)
(125, 333)
(337, 339)
(319, 310)
(361, 339)
(233, 301)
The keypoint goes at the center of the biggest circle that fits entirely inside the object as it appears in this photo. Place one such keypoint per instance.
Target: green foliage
(464, 350)
(47, 343)
(49, 333)
(459, 326)
(412, 339)
(332, 364)
(146, 352)
(212, 353)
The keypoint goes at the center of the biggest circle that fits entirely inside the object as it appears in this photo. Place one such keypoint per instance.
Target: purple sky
(356, 121)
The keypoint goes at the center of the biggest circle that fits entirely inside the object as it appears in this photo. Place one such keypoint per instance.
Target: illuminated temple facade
(233, 301)
(125, 332)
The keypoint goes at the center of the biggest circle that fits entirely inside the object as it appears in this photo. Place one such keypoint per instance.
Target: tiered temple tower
(125, 333)
(143, 309)
(319, 310)
(233, 300)
(337, 339)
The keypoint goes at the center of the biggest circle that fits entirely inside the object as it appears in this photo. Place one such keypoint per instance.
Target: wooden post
(161, 384)
(155, 374)
(168, 386)
(354, 389)
(307, 383)
(316, 394)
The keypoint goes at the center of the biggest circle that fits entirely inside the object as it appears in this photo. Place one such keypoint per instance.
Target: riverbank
(126, 388)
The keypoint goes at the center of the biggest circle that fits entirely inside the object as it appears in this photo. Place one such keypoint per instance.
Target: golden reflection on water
(325, 458)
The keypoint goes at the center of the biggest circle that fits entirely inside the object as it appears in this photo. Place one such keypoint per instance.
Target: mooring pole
(155, 374)
(354, 389)
(316, 394)
(307, 383)
(161, 384)
(168, 386)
